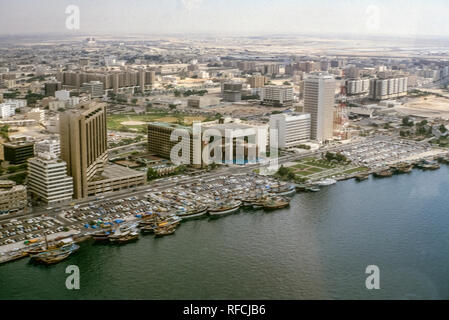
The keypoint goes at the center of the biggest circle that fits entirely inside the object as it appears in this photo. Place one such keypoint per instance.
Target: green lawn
(115, 120)
(304, 173)
(320, 164)
(315, 170)
(301, 166)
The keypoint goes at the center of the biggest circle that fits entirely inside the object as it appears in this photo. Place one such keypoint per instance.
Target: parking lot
(17, 230)
(377, 151)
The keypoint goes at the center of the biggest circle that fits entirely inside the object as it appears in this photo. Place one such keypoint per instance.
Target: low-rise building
(277, 96)
(12, 197)
(19, 152)
(48, 180)
(293, 128)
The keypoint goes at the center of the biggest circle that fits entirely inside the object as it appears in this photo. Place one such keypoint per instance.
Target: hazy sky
(396, 17)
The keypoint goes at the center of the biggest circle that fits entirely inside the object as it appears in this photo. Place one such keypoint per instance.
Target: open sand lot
(428, 107)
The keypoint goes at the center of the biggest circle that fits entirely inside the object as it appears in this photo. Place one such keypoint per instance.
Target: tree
(152, 174)
(282, 171)
(291, 175)
(443, 128)
(286, 83)
(406, 121)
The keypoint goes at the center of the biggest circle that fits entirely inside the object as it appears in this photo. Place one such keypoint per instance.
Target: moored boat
(225, 208)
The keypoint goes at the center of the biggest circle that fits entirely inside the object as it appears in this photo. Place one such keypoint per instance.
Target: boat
(101, 235)
(225, 208)
(383, 173)
(194, 213)
(149, 228)
(56, 255)
(164, 231)
(286, 190)
(131, 236)
(313, 189)
(276, 203)
(362, 176)
(326, 182)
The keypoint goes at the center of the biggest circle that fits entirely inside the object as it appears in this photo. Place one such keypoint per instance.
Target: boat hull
(223, 212)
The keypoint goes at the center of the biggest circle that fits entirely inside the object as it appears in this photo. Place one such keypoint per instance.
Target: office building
(52, 87)
(389, 88)
(293, 128)
(232, 92)
(18, 152)
(83, 135)
(202, 102)
(52, 147)
(12, 197)
(357, 86)
(277, 96)
(159, 142)
(7, 110)
(319, 99)
(257, 81)
(94, 88)
(48, 180)
(62, 95)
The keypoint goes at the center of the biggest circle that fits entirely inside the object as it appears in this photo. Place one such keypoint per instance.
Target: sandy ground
(132, 123)
(429, 107)
(428, 154)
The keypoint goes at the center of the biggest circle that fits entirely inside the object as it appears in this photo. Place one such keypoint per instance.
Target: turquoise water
(317, 248)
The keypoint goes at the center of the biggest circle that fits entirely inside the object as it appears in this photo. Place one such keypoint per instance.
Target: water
(317, 248)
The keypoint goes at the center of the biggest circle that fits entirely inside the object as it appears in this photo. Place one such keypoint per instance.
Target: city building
(18, 152)
(159, 142)
(62, 95)
(48, 180)
(232, 92)
(36, 114)
(83, 134)
(388, 88)
(257, 81)
(7, 110)
(94, 88)
(48, 146)
(12, 197)
(202, 102)
(319, 100)
(357, 86)
(293, 128)
(52, 87)
(277, 96)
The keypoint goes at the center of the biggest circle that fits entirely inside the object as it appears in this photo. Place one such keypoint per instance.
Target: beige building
(84, 144)
(319, 100)
(159, 142)
(12, 197)
(84, 148)
(257, 81)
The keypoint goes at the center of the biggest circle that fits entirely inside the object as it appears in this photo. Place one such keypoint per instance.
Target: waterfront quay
(176, 195)
(80, 222)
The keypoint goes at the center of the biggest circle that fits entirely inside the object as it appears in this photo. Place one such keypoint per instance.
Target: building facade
(48, 179)
(84, 144)
(12, 197)
(277, 96)
(319, 100)
(19, 152)
(293, 128)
